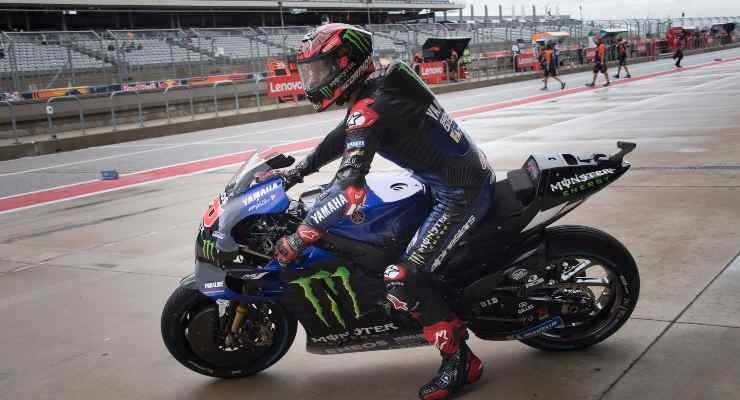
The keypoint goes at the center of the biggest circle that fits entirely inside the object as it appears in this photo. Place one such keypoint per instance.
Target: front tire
(189, 330)
(580, 242)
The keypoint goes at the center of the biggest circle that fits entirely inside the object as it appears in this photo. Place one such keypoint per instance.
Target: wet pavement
(83, 282)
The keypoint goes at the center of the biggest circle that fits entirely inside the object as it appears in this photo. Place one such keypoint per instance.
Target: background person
(549, 66)
(600, 63)
(678, 55)
(515, 55)
(452, 65)
(622, 57)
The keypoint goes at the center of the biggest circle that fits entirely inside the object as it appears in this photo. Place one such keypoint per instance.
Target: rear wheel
(196, 331)
(595, 267)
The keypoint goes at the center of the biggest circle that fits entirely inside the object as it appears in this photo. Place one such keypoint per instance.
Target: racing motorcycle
(512, 278)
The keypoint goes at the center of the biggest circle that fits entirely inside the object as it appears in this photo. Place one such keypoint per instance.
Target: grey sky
(605, 9)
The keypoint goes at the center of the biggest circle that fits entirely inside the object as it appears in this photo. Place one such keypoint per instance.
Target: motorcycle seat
(511, 196)
(522, 186)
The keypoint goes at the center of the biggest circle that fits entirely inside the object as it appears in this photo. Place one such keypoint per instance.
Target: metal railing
(215, 96)
(11, 111)
(50, 112)
(114, 123)
(167, 101)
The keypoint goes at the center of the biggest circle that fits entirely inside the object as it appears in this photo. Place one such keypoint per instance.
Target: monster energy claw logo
(328, 279)
(209, 249)
(326, 92)
(358, 40)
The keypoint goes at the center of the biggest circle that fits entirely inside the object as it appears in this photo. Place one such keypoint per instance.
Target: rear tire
(580, 241)
(184, 303)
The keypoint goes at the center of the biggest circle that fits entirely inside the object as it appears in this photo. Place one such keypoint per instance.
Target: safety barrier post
(167, 100)
(11, 107)
(113, 108)
(49, 114)
(215, 95)
(257, 92)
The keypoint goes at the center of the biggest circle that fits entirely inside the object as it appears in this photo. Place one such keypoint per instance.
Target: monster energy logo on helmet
(358, 40)
(326, 92)
(328, 279)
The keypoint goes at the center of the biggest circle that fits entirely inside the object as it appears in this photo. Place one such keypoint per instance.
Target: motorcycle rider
(390, 111)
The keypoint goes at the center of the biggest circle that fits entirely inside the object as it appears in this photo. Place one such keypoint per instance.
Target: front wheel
(196, 331)
(598, 268)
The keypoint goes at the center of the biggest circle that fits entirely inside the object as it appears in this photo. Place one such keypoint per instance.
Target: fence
(158, 106)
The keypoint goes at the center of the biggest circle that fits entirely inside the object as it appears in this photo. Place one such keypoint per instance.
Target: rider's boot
(459, 365)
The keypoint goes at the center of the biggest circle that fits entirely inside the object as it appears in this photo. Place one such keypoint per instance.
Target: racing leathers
(395, 115)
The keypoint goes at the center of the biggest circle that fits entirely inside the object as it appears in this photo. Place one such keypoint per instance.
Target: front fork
(239, 314)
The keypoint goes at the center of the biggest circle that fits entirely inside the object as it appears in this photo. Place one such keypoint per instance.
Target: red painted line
(92, 187)
(86, 188)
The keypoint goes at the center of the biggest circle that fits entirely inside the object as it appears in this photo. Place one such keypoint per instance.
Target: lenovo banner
(288, 85)
(433, 72)
(527, 60)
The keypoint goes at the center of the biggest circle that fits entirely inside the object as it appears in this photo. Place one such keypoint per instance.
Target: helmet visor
(315, 73)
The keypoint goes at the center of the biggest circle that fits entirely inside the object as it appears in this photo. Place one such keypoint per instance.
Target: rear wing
(624, 149)
(618, 157)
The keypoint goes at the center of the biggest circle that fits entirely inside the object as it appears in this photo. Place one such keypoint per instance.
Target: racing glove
(288, 248)
(290, 177)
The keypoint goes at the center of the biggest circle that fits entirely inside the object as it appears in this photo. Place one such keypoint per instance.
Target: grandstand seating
(155, 51)
(158, 53)
(47, 52)
(141, 48)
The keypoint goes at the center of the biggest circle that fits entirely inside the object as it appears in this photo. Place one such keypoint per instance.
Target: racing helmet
(333, 60)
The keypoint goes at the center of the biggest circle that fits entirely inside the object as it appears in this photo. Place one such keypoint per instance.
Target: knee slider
(396, 277)
(396, 273)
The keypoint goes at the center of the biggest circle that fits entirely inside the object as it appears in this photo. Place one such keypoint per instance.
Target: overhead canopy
(438, 49)
(606, 33)
(549, 36)
(728, 27)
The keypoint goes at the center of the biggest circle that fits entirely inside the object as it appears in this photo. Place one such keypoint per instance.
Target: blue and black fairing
(395, 206)
(267, 197)
(546, 188)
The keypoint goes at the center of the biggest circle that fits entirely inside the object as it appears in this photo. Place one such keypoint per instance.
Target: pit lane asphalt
(82, 282)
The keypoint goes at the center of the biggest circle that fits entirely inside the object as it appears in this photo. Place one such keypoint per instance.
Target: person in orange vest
(600, 63)
(622, 57)
(549, 66)
(678, 55)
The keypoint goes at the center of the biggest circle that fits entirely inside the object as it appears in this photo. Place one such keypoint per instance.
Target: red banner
(526, 60)
(279, 86)
(433, 72)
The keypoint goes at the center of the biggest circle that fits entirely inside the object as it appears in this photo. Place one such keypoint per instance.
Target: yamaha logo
(358, 217)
